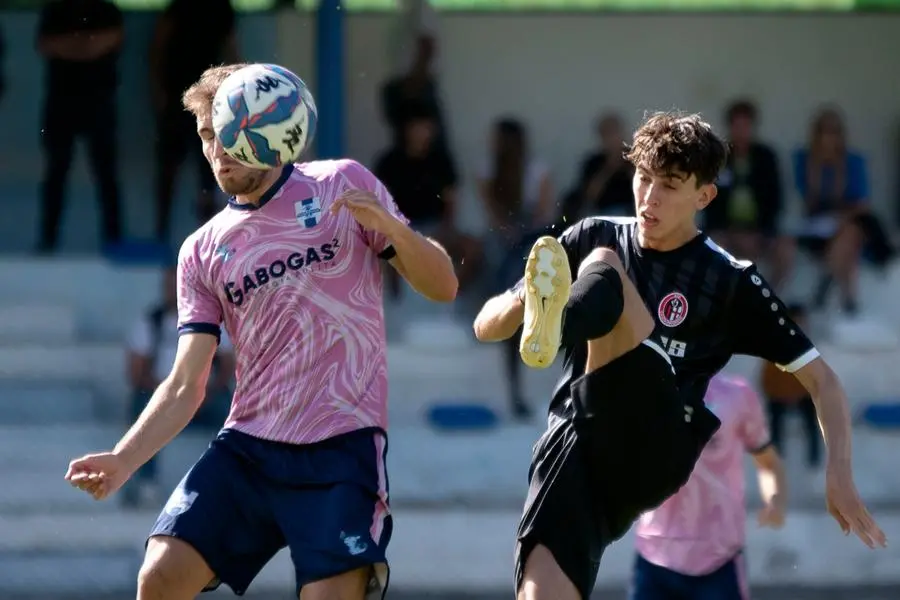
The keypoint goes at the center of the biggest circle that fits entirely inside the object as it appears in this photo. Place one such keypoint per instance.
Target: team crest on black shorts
(673, 309)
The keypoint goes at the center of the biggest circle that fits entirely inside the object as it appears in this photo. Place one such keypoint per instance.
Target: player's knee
(604, 255)
(543, 579)
(172, 570)
(346, 586)
(155, 580)
(595, 304)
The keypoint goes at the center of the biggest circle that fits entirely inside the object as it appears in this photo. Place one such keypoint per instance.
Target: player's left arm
(421, 261)
(424, 264)
(760, 326)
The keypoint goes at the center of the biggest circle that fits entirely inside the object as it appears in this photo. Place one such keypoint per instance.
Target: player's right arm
(173, 404)
(502, 315)
(176, 399)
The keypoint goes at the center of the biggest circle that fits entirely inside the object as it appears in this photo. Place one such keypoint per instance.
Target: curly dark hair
(678, 143)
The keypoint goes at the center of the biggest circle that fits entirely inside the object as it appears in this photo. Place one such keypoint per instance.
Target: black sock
(595, 304)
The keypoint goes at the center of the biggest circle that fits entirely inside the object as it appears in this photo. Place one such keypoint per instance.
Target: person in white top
(150, 350)
(520, 203)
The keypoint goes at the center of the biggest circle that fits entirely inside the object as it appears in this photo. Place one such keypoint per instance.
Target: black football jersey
(707, 305)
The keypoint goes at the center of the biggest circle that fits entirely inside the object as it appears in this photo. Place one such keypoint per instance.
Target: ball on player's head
(264, 116)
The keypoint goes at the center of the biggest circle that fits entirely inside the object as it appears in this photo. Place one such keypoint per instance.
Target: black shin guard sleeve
(595, 304)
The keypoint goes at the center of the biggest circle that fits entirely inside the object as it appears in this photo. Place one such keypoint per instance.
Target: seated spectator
(744, 216)
(604, 184)
(834, 186)
(784, 394)
(423, 181)
(519, 201)
(151, 349)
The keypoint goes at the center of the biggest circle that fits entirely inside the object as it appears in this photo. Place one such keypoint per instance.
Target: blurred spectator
(784, 394)
(179, 53)
(423, 182)
(2, 64)
(834, 186)
(519, 201)
(414, 89)
(80, 41)
(151, 347)
(604, 185)
(744, 216)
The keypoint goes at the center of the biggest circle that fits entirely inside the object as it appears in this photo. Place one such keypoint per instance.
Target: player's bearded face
(666, 204)
(234, 178)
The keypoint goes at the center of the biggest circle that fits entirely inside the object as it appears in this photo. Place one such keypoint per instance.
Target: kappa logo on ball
(673, 309)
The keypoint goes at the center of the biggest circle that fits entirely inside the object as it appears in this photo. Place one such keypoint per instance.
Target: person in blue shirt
(833, 182)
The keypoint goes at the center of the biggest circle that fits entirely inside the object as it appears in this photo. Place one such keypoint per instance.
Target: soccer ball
(264, 116)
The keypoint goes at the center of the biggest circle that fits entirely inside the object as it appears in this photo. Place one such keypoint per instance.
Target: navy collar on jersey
(286, 171)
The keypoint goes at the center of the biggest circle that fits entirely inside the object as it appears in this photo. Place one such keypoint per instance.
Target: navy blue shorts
(652, 582)
(247, 498)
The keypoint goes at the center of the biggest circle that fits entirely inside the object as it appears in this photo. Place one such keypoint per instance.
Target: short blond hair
(198, 98)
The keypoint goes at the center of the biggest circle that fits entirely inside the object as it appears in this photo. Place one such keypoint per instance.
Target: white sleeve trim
(801, 361)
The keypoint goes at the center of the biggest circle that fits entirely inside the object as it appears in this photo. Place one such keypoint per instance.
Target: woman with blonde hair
(833, 183)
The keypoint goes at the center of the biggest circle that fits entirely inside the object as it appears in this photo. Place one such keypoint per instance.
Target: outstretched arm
(499, 318)
(502, 315)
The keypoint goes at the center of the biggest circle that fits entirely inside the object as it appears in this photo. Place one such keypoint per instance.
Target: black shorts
(631, 444)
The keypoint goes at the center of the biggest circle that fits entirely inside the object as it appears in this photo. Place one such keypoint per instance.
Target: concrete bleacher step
(62, 362)
(37, 323)
(46, 403)
(43, 491)
(106, 301)
(49, 448)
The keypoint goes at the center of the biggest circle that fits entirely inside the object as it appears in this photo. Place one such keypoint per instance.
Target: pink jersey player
(300, 293)
(292, 268)
(690, 546)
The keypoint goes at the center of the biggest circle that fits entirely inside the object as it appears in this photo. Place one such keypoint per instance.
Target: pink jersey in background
(300, 293)
(701, 527)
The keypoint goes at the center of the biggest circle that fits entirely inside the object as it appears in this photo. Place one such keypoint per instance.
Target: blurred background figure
(414, 90)
(2, 65)
(179, 53)
(604, 182)
(694, 542)
(424, 184)
(744, 218)
(80, 41)
(519, 201)
(833, 183)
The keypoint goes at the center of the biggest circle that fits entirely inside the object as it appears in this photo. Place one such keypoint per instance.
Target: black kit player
(649, 293)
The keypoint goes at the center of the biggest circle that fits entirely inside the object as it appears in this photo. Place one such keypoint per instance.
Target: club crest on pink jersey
(308, 212)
